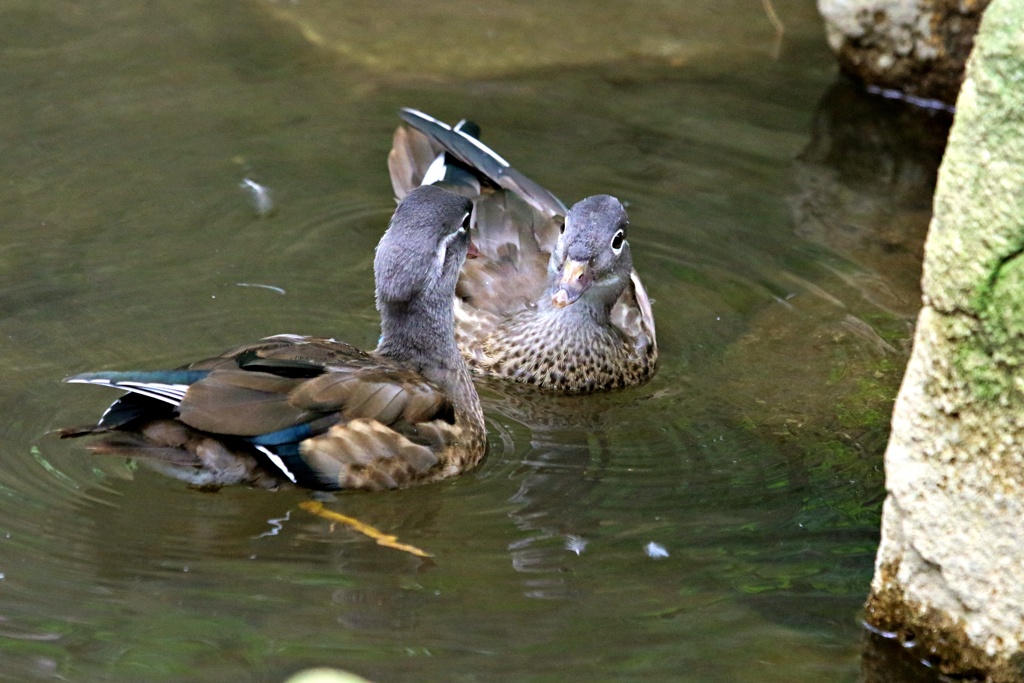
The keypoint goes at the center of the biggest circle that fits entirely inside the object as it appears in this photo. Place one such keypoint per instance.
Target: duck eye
(617, 241)
(466, 221)
(561, 227)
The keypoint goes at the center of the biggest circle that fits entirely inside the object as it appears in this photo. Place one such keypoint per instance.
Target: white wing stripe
(171, 391)
(435, 171)
(428, 117)
(472, 140)
(278, 462)
(168, 393)
(483, 148)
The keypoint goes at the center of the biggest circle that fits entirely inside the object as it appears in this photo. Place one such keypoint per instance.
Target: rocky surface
(950, 571)
(918, 47)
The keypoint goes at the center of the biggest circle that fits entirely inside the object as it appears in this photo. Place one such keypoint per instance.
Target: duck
(553, 301)
(316, 413)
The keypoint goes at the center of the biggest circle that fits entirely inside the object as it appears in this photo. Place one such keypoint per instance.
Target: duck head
(425, 245)
(591, 260)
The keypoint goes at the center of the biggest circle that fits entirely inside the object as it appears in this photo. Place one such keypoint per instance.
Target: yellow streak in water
(317, 508)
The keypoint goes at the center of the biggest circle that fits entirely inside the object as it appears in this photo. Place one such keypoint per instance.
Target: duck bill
(575, 279)
(471, 251)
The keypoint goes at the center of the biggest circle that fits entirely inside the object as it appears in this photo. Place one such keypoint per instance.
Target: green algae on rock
(949, 571)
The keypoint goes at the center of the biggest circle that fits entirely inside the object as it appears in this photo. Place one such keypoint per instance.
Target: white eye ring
(620, 238)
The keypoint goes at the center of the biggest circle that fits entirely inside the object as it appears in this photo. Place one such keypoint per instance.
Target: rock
(324, 675)
(918, 47)
(949, 574)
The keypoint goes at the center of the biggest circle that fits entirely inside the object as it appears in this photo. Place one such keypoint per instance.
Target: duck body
(320, 413)
(553, 300)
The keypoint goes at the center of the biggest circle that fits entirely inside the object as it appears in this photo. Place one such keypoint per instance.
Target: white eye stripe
(443, 251)
(463, 225)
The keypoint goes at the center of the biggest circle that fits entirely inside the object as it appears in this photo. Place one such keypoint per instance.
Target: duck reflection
(567, 459)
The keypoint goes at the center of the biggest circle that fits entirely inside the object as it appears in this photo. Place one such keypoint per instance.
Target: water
(777, 220)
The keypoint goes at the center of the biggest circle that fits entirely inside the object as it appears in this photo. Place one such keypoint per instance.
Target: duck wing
(633, 316)
(323, 413)
(515, 222)
(461, 145)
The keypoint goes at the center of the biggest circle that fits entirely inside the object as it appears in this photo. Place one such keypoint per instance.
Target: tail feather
(81, 430)
(128, 445)
(179, 451)
(129, 408)
(461, 144)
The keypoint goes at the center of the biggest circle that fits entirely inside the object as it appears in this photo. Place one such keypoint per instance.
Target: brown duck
(553, 301)
(320, 413)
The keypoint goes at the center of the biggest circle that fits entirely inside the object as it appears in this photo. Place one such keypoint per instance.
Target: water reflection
(886, 660)
(866, 184)
(567, 456)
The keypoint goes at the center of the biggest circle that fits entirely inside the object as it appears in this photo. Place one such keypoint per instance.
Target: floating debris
(272, 288)
(261, 199)
(575, 544)
(655, 550)
(923, 102)
(387, 540)
(276, 525)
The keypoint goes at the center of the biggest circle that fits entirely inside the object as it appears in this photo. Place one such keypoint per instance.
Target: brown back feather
(385, 395)
(242, 403)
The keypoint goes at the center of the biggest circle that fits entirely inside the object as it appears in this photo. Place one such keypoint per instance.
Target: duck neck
(593, 308)
(422, 337)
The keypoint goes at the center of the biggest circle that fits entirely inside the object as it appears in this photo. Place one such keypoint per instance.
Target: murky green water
(777, 220)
